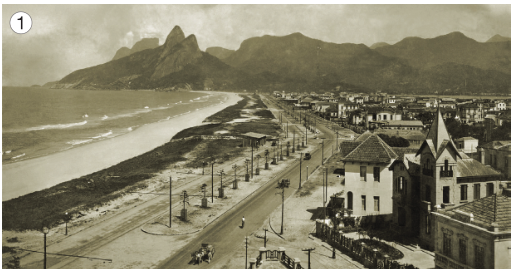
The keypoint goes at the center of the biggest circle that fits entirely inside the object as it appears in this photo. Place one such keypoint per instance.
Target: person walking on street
(243, 221)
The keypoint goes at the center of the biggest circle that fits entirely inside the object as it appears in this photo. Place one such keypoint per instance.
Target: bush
(349, 221)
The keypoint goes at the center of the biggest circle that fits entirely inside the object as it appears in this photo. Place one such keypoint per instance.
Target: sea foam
(57, 126)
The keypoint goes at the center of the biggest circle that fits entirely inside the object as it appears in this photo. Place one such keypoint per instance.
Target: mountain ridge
(143, 44)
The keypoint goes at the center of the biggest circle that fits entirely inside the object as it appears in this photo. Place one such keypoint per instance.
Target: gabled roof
(493, 209)
(372, 150)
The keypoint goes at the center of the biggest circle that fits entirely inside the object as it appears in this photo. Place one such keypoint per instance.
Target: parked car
(307, 156)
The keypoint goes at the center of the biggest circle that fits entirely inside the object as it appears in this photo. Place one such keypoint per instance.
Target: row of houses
(456, 205)
(360, 109)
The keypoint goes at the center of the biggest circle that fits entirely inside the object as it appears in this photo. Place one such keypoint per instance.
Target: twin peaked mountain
(452, 63)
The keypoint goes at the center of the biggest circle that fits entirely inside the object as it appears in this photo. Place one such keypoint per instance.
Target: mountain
(379, 44)
(143, 44)
(303, 59)
(498, 38)
(219, 52)
(449, 64)
(50, 84)
(454, 47)
(175, 64)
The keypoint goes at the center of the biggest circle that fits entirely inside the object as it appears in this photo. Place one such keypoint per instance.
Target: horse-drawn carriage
(205, 253)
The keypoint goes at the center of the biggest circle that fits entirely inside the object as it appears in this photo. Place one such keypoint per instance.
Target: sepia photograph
(256, 136)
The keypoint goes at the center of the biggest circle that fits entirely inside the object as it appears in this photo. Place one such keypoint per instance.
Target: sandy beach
(39, 173)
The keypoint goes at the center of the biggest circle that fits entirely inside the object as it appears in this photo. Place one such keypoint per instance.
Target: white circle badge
(21, 22)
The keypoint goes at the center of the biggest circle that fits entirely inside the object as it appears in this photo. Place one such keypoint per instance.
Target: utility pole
(300, 172)
(322, 151)
(325, 200)
(287, 128)
(170, 202)
(212, 179)
(309, 255)
(306, 135)
(284, 183)
(265, 240)
(252, 160)
(293, 145)
(246, 252)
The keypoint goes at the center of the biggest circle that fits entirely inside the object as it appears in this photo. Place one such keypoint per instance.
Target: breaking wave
(57, 126)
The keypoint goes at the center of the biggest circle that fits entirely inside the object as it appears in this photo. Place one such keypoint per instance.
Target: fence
(275, 255)
(358, 251)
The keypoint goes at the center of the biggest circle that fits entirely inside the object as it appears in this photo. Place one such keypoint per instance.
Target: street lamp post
(45, 232)
(307, 172)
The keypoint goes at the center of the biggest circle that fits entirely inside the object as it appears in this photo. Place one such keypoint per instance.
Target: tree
(394, 141)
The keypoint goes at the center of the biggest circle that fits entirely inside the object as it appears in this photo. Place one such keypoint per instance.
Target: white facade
(375, 193)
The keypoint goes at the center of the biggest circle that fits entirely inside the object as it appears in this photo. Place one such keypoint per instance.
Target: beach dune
(39, 173)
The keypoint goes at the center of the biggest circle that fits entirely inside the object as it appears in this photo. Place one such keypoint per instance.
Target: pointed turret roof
(438, 137)
(438, 132)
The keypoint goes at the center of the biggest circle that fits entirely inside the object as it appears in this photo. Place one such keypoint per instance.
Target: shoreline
(43, 172)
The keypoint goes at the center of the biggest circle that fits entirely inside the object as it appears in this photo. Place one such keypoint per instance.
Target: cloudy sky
(64, 38)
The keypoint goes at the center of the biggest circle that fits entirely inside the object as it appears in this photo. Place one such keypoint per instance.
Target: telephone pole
(300, 172)
(212, 179)
(170, 202)
(284, 183)
(322, 151)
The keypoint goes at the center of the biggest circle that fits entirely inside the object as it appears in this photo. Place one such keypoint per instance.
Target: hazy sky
(64, 38)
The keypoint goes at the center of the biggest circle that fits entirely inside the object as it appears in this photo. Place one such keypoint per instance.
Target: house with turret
(436, 177)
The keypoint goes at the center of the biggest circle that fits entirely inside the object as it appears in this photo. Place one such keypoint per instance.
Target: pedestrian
(243, 221)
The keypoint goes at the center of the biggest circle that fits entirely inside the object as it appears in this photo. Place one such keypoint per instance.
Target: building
(368, 180)
(401, 124)
(414, 137)
(253, 139)
(501, 105)
(442, 177)
(467, 144)
(474, 235)
(470, 113)
(344, 108)
(497, 155)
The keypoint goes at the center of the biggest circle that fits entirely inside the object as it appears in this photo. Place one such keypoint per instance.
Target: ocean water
(41, 121)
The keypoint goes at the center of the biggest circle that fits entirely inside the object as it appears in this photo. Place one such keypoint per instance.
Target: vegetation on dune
(48, 207)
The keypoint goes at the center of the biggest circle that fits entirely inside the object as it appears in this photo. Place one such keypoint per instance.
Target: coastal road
(226, 235)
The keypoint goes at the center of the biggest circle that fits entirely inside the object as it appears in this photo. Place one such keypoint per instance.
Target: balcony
(428, 172)
(446, 173)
